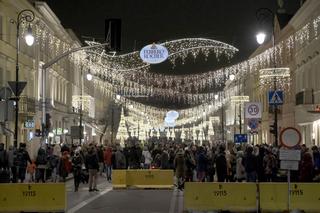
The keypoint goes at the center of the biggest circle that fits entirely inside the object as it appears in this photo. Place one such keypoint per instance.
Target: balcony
(27, 105)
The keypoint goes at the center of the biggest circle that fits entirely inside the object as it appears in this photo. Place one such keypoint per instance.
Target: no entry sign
(290, 137)
(253, 109)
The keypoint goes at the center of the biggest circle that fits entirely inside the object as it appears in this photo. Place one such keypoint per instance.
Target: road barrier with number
(119, 178)
(33, 197)
(272, 197)
(219, 196)
(142, 178)
(304, 196)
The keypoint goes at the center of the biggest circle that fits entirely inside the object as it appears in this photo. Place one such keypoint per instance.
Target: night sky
(147, 21)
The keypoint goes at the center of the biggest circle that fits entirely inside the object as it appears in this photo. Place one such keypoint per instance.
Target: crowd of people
(211, 162)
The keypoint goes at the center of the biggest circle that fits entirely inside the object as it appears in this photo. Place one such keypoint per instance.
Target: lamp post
(23, 16)
(262, 14)
(89, 77)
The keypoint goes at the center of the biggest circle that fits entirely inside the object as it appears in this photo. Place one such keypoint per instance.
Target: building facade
(66, 80)
(297, 47)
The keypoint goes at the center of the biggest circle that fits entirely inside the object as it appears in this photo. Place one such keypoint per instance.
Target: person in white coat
(146, 155)
(240, 170)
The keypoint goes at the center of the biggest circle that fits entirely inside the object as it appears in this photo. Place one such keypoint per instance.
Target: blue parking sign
(275, 97)
(240, 138)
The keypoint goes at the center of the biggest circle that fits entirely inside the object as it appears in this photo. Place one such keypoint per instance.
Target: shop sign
(154, 54)
(58, 131)
(29, 124)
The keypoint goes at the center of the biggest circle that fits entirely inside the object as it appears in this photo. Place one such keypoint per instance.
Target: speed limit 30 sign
(253, 109)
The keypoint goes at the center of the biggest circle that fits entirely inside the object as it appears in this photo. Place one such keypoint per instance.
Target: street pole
(112, 124)
(261, 16)
(275, 86)
(222, 122)
(15, 142)
(80, 119)
(23, 16)
(240, 119)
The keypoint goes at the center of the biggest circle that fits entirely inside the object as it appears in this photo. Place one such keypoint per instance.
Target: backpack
(19, 159)
(142, 159)
(53, 161)
(41, 159)
(67, 165)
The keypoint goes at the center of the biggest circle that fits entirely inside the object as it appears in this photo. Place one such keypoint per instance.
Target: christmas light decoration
(128, 74)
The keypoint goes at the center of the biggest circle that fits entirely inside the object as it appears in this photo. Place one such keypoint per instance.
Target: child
(31, 168)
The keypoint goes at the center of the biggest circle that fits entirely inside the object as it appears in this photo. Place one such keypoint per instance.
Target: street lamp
(29, 37)
(262, 14)
(23, 16)
(89, 77)
(261, 37)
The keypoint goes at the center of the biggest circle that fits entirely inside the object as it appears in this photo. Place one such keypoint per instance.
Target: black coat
(92, 161)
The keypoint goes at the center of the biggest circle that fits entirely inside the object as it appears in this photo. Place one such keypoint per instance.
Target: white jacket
(147, 157)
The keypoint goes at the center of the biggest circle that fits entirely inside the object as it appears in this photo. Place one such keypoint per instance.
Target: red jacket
(107, 156)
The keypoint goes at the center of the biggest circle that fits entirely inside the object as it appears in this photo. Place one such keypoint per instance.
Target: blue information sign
(240, 138)
(253, 123)
(275, 97)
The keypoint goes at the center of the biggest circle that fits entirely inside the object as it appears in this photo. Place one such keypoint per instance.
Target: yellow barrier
(150, 178)
(220, 196)
(304, 196)
(119, 178)
(32, 197)
(142, 178)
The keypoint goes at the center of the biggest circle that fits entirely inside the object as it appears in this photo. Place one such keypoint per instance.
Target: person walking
(269, 166)
(64, 166)
(201, 164)
(306, 168)
(41, 165)
(11, 158)
(100, 153)
(92, 163)
(31, 171)
(250, 162)
(221, 164)
(107, 156)
(147, 158)
(211, 164)
(240, 170)
(21, 162)
(180, 168)
(4, 168)
(164, 159)
(190, 165)
(76, 169)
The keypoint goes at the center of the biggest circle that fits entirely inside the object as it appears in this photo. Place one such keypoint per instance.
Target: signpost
(290, 138)
(240, 138)
(253, 110)
(276, 97)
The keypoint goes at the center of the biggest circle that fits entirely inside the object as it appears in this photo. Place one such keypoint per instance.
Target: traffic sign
(253, 109)
(289, 165)
(290, 137)
(253, 123)
(240, 138)
(17, 89)
(275, 97)
(290, 154)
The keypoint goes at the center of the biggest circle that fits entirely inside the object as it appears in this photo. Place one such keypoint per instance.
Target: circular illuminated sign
(154, 54)
(173, 114)
(290, 137)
